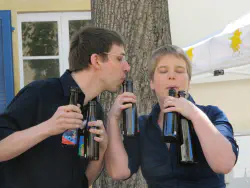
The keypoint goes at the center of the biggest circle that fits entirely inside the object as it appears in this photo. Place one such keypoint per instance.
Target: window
(44, 43)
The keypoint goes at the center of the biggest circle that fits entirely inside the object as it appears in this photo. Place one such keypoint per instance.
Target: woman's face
(170, 72)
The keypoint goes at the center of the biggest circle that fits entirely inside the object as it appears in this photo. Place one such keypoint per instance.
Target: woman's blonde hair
(168, 50)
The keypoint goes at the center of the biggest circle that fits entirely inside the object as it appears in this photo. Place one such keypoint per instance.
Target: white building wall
(192, 21)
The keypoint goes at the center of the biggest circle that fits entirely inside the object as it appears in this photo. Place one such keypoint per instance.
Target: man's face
(114, 68)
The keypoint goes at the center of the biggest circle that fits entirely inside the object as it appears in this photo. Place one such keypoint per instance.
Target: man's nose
(127, 66)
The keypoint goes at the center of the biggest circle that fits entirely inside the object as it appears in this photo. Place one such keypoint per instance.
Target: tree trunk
(144, 24)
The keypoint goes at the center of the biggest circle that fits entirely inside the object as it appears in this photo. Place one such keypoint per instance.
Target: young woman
(216, 148)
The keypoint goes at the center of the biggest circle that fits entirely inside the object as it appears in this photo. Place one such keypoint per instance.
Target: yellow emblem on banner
(236, 40)
(190, 53)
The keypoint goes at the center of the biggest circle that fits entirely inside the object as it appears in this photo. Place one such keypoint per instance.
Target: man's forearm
(20, 141)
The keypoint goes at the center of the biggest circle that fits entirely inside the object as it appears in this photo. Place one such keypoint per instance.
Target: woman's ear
(152, 85)
(188, 86)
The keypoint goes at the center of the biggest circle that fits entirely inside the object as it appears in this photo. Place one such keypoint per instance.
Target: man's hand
(101, 132)
(65, 118)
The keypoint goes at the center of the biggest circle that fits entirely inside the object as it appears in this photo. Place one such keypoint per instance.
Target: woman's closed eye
(180, 70)
(163, 70)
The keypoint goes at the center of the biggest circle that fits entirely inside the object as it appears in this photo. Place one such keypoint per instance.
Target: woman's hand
(180, 105)
(122, 102)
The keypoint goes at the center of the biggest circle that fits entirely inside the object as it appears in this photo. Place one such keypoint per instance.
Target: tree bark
(144, 24)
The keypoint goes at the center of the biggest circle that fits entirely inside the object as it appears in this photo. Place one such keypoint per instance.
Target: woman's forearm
(116, 158)
(216, 148)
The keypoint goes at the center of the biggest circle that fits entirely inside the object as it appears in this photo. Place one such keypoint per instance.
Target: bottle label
(81, 146)
(69, 137)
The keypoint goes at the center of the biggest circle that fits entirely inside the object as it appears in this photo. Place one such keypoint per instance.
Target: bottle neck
(73, 98)
(92, 109)
(172, 93)
(128, 86)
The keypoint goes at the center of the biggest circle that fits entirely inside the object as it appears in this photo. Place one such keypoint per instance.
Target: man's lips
(123, 79)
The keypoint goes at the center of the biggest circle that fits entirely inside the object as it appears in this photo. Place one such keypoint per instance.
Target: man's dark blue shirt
(47, 164)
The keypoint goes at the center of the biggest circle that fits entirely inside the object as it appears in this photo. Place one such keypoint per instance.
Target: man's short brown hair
(91, 40)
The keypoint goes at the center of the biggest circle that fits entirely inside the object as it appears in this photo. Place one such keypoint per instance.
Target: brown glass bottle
(170, 124)
(187, 153)
(130, 124)
(91, 146)
(69, 137)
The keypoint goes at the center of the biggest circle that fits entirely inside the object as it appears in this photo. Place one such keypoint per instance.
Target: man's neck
(89, 83)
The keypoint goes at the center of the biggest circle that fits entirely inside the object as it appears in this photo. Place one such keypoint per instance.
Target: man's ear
(95, 61)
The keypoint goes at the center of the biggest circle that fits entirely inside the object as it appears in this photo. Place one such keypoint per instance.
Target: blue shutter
(6, 70)
(2, 83)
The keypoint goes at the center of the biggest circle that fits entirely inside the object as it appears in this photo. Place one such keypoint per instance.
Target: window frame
(62, 19)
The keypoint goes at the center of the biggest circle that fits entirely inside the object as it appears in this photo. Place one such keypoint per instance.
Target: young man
(31, 128)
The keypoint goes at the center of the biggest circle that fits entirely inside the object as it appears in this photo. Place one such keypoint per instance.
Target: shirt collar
(67, 82)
